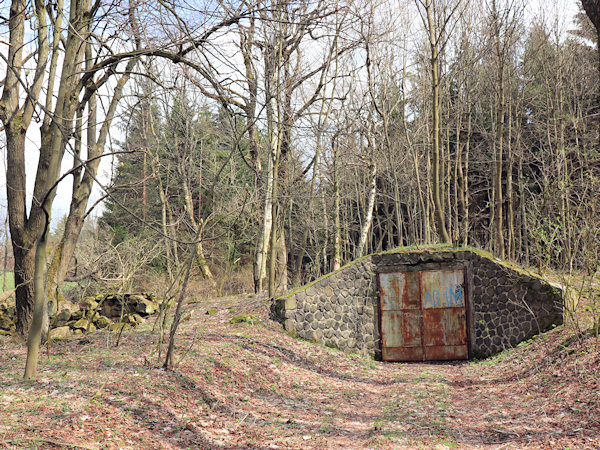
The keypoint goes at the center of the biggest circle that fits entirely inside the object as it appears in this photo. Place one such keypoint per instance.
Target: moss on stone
(244, 318)
(324, 277)
(412, 249)
(503, 275)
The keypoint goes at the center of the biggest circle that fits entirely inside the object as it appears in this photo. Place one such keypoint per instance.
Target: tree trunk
(274, 123)
(262, 245)
(510, 219)
(436, 106)
(524, 224)
(337, 228)
(592, 9)
(82, 185)
(326, 234)
(367, 223)
(23, 240)
(297, 277)
(198, 249)
(498, 200)
(274, 229)
(36, 329)
(463, 187)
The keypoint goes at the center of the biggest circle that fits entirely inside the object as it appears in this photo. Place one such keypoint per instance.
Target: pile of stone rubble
(106, 311)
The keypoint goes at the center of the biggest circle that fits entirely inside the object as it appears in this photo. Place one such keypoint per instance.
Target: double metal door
(423, 315)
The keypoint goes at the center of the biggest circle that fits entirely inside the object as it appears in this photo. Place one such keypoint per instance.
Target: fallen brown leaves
(253, 386)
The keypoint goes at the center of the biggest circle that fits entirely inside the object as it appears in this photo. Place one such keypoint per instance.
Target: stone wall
(337, 310)
(506, 305)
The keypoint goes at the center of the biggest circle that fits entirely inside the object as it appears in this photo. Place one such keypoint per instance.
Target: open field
(253, 386)
(10, 281)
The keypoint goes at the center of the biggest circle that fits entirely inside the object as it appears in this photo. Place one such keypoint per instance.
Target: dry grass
(253, 386)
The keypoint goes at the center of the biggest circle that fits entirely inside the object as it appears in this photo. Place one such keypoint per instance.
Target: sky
(554, 11)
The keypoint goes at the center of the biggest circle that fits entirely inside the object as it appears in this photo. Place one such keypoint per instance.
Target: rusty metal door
(423, 315)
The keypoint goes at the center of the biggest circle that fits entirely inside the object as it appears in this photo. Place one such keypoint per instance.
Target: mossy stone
(134, 319)
(82, 324)
(60, 333)
(6, 323)
(88, 304)
(244, 318)
(119, 326)
(102, 322)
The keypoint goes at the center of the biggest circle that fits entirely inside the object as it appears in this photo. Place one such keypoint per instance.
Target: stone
(290, 302)
(76, 315)
(119, 327)
(244, 318)
(111, 306)
(6, 322)
(134, 319)
(88, 304)
(347, 302)
(66, 305)
(142, 305)
(101, 321)
(82, 324)
(289, 325)
(61, 318)
(60, 333)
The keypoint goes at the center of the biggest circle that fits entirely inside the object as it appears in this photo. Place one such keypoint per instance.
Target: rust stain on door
(423, 315)
(401, 316)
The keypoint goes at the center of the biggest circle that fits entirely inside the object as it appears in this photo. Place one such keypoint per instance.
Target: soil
(251, 385)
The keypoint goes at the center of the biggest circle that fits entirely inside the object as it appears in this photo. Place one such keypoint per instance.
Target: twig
(98, 391)
(188, 349)
(242, 419)
(47, 441)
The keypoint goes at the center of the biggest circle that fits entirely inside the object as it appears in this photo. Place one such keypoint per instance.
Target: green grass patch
(10, 281)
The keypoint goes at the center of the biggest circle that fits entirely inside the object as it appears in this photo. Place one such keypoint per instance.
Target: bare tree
(72, 83)
(592, 9)
(438, 19)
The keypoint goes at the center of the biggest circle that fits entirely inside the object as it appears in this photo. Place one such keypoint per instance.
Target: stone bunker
(414, 305)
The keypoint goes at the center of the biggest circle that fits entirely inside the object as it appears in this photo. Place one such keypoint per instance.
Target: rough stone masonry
(506, 304)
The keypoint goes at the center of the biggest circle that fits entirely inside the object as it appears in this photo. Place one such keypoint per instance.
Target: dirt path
(252, 386)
